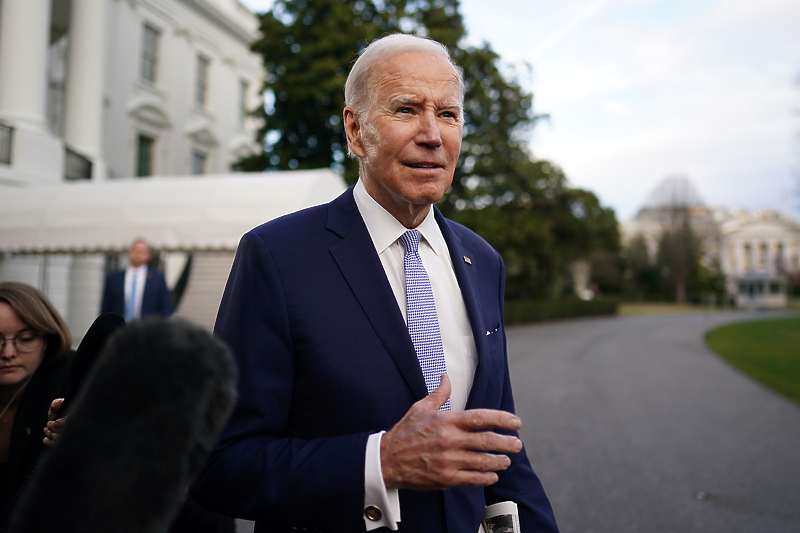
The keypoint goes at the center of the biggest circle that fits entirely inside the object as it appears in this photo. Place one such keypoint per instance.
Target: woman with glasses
(34, 366)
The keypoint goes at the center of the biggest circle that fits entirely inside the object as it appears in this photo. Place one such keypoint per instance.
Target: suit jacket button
(373, 513)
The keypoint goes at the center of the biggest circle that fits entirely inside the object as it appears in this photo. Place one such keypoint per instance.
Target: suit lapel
(466, 274)
(147, 292)
(359, 263)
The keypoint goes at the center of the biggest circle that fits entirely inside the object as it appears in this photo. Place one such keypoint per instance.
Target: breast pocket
(494, 337)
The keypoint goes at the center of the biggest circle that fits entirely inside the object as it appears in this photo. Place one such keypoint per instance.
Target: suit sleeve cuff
(381, 506)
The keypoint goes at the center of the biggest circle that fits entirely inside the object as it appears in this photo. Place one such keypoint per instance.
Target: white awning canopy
(179, 213)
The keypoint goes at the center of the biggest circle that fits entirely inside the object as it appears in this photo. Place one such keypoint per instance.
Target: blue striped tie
(130, 307)
(423, 324)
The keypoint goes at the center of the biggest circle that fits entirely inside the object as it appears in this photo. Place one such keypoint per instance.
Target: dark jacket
(48, 383)
(325, 359)
(156, 299)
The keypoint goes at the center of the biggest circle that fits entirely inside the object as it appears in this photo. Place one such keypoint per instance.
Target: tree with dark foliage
(523, 207)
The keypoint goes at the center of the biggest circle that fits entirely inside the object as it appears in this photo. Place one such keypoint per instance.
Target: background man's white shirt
(140, 273)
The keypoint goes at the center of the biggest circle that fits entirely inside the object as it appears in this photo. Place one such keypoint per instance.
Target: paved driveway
(635, 426)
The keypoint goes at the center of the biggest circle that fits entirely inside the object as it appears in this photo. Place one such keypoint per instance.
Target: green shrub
(521, 311)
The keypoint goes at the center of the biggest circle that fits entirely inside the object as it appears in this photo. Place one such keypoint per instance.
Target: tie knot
(410, 240)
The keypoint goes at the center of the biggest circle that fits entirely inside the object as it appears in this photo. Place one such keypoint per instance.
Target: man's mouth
(424, 165)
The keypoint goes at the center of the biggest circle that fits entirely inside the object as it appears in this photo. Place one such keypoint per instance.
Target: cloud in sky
(641, 90)
(563, 31)
(638, 90)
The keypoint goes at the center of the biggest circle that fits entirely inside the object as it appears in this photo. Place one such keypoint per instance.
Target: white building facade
(95, 94)
(101, 89)
(759, 253)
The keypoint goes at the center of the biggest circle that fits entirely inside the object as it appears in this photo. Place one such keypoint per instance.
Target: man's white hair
(357, 89)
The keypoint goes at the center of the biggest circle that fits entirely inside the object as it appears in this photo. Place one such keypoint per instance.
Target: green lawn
(766, 350)
(629, 309)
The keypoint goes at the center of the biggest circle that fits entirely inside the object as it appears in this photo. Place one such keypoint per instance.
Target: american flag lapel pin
(467, 260)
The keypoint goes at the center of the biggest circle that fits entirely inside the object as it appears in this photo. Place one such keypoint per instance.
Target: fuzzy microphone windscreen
(87, 353)
(139, 431)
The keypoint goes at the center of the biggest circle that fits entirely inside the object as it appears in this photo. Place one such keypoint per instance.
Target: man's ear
(352, 130)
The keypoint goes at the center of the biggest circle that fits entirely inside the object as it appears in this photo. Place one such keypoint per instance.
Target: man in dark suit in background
(137, 291)
(343, 318)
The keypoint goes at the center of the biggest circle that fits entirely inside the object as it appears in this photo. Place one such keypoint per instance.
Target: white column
(782, 258)
(83, 116)
(749, 255)
(38, 155)
(24, 34)
(740, 262)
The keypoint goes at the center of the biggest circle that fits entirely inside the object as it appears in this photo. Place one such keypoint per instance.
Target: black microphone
(138, 434)
(87, 353)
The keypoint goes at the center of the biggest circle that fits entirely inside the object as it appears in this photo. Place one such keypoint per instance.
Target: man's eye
(405, 110)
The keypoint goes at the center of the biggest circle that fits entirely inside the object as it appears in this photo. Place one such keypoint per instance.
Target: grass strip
(766, 350)
(634, 309)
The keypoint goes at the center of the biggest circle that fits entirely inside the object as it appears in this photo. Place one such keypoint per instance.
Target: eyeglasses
(25, 343)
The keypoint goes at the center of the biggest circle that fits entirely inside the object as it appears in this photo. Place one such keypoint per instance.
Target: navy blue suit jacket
(156, 299)
(325, 359)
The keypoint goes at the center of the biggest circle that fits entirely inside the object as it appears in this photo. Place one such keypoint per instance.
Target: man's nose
(429, 133)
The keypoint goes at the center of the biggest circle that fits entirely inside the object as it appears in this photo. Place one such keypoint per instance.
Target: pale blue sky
(639, 90)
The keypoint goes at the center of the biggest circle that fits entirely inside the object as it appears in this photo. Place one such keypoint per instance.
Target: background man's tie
(130, 307)
(423, 325)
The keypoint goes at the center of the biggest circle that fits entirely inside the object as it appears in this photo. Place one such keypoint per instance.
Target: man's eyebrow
(411, 101)
(405, 100)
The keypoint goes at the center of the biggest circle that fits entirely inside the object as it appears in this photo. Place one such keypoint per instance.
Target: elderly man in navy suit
(137, 291)
(374, 388)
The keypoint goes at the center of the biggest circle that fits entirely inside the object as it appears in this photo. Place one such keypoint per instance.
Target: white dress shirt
(140, 273)
(460, 353)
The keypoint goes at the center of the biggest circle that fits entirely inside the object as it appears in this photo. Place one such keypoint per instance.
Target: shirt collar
(137, 270)
(384, 229)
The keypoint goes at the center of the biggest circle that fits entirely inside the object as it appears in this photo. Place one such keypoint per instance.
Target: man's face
(409, 141)
(139, 254)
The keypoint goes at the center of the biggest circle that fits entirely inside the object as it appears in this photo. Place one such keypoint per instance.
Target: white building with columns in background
(99, 89)
(121, 119)
(758, 252)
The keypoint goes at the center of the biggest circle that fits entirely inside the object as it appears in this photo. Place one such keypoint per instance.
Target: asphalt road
(633, 425)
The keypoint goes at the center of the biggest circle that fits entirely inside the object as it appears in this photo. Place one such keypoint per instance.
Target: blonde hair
(34, 309)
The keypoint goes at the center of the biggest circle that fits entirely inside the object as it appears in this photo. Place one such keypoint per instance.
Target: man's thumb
(437, 398)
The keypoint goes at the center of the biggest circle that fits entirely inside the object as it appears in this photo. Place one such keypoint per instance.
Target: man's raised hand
(435, 450)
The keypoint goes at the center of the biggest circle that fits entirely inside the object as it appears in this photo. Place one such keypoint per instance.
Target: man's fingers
(481, 462)
(477, 419)
(488, 441)
(471, 469)
(470, 478)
